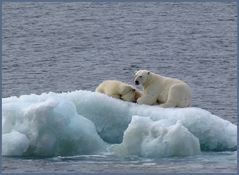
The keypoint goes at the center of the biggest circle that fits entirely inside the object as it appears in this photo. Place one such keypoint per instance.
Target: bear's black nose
(136, 82)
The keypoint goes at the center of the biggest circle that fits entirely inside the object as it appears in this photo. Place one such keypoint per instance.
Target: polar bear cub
(118, 89)
(166, 91)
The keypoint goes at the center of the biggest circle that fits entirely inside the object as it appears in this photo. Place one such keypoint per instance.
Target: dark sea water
(63, 47)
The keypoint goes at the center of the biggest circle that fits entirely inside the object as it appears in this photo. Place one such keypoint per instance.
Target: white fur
(168, 92)
(118, 89)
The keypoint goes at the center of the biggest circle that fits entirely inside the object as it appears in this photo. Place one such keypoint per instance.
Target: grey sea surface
(64, 47)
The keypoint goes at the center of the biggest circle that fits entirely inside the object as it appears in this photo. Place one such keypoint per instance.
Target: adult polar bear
(166, 91)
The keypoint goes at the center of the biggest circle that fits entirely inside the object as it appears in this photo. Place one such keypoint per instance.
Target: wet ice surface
(64, 47)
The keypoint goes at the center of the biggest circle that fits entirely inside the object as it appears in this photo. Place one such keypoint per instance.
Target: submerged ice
(84, 122)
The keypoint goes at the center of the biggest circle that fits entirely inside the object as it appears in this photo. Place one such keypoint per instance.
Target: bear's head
(141, 77)
(130, 94)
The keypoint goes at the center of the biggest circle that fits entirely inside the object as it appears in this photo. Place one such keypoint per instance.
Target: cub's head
(130, 94)
(141, 76)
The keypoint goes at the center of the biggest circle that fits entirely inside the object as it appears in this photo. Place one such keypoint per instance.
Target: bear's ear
(148, 72)
(135, 72)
